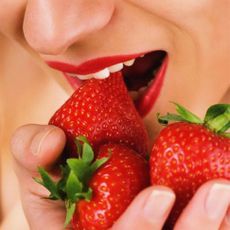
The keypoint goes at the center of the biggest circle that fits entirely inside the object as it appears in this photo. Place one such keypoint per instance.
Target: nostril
(51, 27)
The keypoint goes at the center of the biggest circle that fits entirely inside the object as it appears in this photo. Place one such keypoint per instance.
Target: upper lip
(93, 65)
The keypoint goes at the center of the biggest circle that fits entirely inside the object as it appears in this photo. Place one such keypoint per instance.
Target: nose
(51, 26)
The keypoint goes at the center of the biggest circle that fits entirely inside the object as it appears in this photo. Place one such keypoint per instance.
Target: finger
(226, 222)
(208, 207)
(34, 145)
(148, 211)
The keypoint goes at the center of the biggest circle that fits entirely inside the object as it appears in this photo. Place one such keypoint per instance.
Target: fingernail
(158, 204)
(218, 200)
(39, 139)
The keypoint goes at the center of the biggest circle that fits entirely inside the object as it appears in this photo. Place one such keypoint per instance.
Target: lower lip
(73, 81)
(145, 103)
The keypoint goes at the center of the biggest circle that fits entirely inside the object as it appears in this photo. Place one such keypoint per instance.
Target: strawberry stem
(217, 117)
(76, 173)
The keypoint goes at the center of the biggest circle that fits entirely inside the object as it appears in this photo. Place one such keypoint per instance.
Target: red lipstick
(92, 66)
(145, 100)
(145, 103)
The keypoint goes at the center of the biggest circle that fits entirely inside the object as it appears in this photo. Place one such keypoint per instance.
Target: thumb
(149, 210)
(33, 146)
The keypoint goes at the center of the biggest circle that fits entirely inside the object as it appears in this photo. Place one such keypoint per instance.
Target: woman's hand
(37, 145)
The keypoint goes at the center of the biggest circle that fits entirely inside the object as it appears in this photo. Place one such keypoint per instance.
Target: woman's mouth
(144, 80)
(143, 74)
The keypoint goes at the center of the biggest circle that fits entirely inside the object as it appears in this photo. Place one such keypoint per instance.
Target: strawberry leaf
(183, 115)
(217, 118)
(83, 139)
(73, 186)
(61, 184)
(98, 163)
(187, 115)
(169, 117)
(79, 167)
(70, 209)
(216, 110)
(84, 147)
(88, 154)
(85, 195)
(225, 126)
(226, 135)
(49, 184)
(88, 194)
(79, 147)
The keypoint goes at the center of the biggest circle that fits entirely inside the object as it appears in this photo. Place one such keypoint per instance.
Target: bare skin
(197, 41)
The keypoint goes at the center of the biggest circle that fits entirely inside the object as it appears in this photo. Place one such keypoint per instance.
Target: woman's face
(194, 35)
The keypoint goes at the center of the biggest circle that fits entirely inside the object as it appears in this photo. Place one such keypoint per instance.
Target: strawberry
(102, 111)
(189, 152)
(97, 192)
(114, 186)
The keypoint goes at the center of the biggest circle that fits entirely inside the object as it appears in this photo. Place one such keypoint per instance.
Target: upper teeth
(101, 74)
(115, 68)
(104, 73)
(130, 62)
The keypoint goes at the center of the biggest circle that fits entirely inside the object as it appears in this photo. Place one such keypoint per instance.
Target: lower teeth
(150, 83)
(142, 90)
(134, 95)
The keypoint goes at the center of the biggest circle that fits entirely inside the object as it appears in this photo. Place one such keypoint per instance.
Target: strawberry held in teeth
(143, 74)
(102, 111)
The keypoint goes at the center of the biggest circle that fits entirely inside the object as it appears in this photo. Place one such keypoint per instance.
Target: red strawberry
(102, 111)
(107, 191)
(185, 155)
(114, 186)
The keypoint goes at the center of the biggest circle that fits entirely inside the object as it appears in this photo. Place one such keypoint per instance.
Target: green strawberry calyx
(217, 118)
(75, 176)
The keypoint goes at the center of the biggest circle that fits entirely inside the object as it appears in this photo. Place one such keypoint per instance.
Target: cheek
(195, 23)
(180, 13)
(11, 18)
